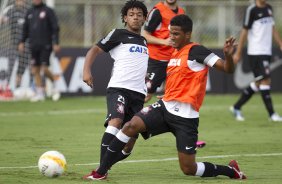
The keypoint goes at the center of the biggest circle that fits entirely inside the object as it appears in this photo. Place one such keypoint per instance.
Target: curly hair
(183, 21)
(133, 4)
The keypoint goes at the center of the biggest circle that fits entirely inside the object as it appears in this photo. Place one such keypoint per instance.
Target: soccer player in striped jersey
(178, 111)
(258, 29)
(126, 90)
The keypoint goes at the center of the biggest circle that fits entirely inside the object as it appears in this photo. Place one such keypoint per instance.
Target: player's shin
(126, 150)
(113, 152)
(206, 169)
(265, 94)
(108, 136)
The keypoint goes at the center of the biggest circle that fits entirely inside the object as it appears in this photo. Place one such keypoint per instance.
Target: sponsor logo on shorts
(145, 110)
(120, 108)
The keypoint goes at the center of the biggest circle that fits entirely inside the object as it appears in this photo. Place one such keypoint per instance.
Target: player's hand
(21, 47)
(56, 48)
(87, 78)
(167, 42)
(229, 46)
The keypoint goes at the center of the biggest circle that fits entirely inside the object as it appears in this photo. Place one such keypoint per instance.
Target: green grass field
(74, 126)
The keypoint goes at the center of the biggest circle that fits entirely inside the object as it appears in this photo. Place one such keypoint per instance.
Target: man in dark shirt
(42, 31)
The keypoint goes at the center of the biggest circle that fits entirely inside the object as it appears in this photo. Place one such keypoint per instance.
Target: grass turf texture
(74, 126)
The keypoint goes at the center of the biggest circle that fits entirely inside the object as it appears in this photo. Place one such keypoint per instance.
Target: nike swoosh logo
(188, 148)
(105, 145)
(108, 117)
(242, 79)
(111, 150)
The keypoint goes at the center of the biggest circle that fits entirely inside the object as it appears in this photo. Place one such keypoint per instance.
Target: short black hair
(183, 21)
(133, 4)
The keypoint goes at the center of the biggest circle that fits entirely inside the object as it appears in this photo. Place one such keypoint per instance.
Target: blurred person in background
(258, 29)
(126, 89)
(42, 31)
(156, 31)
(13, 16)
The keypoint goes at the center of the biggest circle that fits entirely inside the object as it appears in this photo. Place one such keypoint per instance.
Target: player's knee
(45, 69)
(131, 127)
(116, 122)
(265, 81)
(35, 70)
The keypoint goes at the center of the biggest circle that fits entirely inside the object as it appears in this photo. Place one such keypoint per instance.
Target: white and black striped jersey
(259, 22)
(130, 54)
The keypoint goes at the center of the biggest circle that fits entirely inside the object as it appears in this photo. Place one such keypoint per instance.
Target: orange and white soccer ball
(52, 164)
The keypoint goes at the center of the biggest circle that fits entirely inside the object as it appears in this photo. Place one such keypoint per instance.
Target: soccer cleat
(56, 95)
(6, 95)
(95, 176)
(276, 118)
(200, 144)
(237, 114)
(37, 98)
(238, 174)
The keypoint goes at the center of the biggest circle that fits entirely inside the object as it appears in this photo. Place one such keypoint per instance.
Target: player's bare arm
(89, 59)
(154, 40)
(277, 37)
(241, 43)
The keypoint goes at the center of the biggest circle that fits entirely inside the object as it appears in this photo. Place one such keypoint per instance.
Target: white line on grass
(53, 112)
(100, 111)
(164, 159)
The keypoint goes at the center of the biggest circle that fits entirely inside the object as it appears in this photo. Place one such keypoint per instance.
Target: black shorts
(260, 66)
(40, 55)
(156, 74)
(158, 120)
(123, 104)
